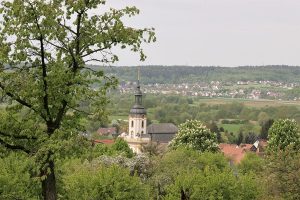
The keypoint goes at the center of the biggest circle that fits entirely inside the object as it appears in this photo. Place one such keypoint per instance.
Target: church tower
(137, 116)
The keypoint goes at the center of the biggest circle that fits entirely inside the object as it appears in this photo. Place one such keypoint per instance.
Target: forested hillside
(189, 74)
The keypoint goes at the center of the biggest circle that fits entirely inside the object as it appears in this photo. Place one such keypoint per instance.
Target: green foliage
(241, 116)
(96, 151)
(170, 165)
(284, 133)
(283, 175)
(153, 149)
(188, 174)
(138, 165)
(121, 145)
(240, 138)
(250, 138)
(262, 117)
(15, 178)
(266, 125)
(211, 184)
(251, 163)
(87, 181)
(45, 81)
(193, 134)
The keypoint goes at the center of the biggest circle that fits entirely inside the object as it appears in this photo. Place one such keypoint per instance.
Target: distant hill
(188, 74)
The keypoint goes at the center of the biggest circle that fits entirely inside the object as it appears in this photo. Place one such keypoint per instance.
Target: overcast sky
(218, 32)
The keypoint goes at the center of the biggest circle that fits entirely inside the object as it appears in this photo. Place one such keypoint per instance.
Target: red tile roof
(110, 130)
(104, 141)
(234, 152)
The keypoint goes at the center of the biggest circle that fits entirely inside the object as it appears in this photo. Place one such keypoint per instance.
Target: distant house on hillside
(107, 131)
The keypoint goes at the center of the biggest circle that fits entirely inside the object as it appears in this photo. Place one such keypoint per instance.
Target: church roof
(162, 128)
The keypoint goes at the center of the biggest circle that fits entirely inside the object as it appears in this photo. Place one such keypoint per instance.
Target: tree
(251, 163)
(45, 79)
(284, 133)
(213, 184)
(240, 138)
(213, 127)
(15, 178)
(90, 181)
(193, 134)
(265, 128)
(122, 146)
(153, 148)
(250, 138)
(283, 175)
(262, 118)
(168, 166)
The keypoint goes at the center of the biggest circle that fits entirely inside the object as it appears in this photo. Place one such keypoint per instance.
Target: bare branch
(81, 111)
(56, 46)
(96, 50)
(94, 59)
(65, 26)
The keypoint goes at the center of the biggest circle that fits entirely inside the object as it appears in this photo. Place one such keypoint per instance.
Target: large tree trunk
(49, 183)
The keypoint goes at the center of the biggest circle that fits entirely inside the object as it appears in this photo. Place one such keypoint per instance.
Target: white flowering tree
(195, 135)
(284, 133)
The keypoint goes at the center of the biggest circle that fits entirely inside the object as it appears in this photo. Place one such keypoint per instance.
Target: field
(231, 127)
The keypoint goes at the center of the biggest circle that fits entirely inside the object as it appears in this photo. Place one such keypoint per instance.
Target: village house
(236, 153)
(111, 131)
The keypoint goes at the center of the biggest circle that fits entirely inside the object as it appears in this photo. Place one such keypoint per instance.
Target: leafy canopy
(95, 181)
(210, 184)
(193, 134)
(45, 46)
(47, 87)
(284, 133)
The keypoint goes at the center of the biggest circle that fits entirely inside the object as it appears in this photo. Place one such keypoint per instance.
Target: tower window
(131, 123)
(142, 124)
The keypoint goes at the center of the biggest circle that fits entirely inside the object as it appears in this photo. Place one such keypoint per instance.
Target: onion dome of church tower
(138, 108)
